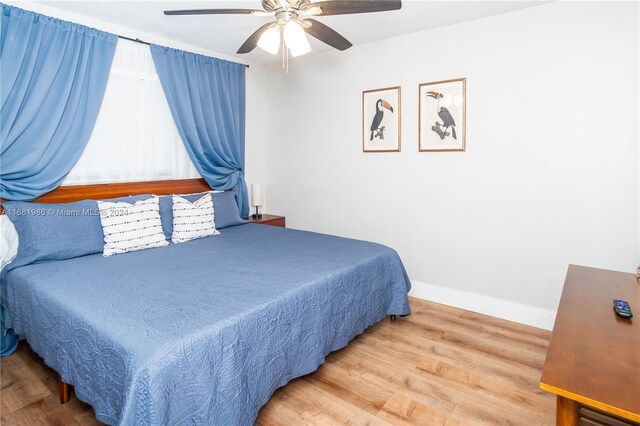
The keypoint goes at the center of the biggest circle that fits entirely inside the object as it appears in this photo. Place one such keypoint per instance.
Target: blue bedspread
(202, 332)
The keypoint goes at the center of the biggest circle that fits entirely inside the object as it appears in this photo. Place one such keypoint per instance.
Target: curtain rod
(137, 40)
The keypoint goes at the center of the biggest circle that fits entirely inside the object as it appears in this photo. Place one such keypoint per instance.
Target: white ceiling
(226, 33)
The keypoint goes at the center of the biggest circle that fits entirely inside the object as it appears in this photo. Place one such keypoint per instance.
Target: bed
(202, 332)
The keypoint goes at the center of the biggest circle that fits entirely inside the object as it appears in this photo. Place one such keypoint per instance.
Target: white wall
(255, 77)
(550, 175)
(256, 125)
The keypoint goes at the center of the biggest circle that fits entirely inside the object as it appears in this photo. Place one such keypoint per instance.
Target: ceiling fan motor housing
(285, 16)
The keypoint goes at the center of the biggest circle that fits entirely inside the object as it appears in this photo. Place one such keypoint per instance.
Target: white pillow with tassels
(8, 241)
(131, 227)
(193, 220)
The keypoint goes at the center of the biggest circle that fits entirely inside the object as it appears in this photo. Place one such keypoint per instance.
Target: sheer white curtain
(135, 138)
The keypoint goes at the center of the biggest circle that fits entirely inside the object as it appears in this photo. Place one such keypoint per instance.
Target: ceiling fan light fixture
(296, 39)
(293, 21)
(299, 52)
(270, 41)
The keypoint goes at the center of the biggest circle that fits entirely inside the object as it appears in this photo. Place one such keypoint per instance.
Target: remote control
(622, 309)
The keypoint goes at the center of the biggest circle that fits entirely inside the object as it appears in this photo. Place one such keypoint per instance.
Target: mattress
(202, 332)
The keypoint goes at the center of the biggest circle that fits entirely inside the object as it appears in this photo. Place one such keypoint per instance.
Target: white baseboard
(511, 311)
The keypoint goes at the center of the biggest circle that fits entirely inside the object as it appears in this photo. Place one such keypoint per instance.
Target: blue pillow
(225, 209)
(224, 205)
(57, 231)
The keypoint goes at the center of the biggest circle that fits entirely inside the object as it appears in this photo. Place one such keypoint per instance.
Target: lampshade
(256, 194)
(270, 40)
(296, 39)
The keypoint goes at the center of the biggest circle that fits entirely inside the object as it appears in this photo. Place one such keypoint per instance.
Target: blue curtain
(8, 339)
(52, 80)
(207, 100)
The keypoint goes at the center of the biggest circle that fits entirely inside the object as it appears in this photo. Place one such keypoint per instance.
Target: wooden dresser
(593, 362)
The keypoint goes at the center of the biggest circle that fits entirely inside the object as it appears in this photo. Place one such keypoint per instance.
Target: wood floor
(441, 365)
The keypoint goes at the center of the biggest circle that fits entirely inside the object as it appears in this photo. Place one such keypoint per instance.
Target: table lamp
(256, 198)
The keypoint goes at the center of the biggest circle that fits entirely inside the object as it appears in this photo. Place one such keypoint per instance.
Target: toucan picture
(447, 120)
(377, 131)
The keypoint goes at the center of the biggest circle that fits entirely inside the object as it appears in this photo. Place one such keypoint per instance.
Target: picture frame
(381, 120)
(442, 117)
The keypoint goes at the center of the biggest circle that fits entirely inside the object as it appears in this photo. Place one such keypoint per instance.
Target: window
(135, 138)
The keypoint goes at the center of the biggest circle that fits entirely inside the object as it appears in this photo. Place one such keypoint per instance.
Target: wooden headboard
(65, 194)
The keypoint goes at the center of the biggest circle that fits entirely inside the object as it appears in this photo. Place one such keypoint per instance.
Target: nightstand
(269, 219)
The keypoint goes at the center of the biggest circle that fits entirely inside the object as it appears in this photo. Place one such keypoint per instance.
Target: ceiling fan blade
(212, 12)
(356, 6)
(252, 41)
(327, 35)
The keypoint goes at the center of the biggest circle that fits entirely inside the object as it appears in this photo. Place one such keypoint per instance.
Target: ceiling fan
(293, 18)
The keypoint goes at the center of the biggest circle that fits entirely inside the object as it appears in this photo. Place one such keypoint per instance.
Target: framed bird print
(381, 120)
(442, 115)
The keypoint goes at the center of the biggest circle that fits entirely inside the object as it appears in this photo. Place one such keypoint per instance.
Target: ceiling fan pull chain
(285, 56)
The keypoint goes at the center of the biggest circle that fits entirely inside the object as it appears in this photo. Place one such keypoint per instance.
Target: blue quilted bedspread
(202, 332)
